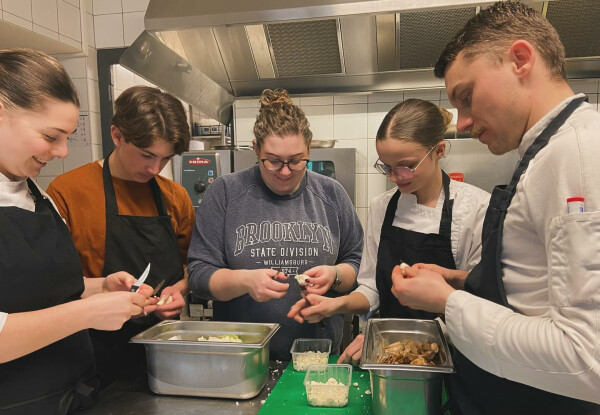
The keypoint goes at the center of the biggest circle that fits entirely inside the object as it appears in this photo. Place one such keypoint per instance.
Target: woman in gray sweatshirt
(258, 227)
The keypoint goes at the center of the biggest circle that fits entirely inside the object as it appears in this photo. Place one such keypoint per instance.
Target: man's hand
(455, 277)
(420, 289)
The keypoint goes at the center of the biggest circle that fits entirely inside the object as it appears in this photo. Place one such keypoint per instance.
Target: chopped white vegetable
(221, 339)
(330, 393)
(303, 360)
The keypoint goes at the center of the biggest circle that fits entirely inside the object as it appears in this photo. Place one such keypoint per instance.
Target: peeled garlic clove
(301, 278)
(169, 300)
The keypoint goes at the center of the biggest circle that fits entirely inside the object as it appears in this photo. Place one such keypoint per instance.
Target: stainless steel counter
(131, 398)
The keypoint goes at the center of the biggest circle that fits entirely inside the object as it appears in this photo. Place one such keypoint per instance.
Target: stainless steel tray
(186, 333)
(392, 330)
(180, 364)
(405, 389)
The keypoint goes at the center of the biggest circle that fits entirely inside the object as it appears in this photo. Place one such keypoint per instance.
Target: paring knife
(158, 287)
(140, 280)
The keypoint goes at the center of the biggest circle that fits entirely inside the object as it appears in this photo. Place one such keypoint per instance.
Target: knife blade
(158, 287)
(136, 286)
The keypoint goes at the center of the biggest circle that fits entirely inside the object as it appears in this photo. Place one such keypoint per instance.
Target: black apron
(474, 390)
(398, 244)
(131, 243)
(40, 268)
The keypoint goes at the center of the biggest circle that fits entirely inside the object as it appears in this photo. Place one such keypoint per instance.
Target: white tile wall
(320, 118)
(350, 121)
(376, 113)
(107, 7)
(133, 25)
(59, 20)
(45, 13)
(135, 5)
(245, 118)
(20, 8)
(69, 20)
(19, 21)
(46, 32)
(89, 30)
(322, 100)
(108, 30)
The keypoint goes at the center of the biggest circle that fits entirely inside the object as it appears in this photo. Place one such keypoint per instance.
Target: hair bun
(447, 116)
(277, 96)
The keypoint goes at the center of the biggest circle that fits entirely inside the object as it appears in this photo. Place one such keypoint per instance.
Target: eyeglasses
(277, 165)
(402, 172)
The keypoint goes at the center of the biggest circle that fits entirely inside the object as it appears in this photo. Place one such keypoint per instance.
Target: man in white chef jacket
(525, 322)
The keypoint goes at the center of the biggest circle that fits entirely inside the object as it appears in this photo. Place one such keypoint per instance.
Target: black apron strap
(446, 222)
(111, 198)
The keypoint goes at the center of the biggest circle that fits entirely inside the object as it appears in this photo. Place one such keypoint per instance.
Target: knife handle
(134, 288)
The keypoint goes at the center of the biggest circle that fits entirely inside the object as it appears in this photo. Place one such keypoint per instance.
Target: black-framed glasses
(402, 172)
(277, 165)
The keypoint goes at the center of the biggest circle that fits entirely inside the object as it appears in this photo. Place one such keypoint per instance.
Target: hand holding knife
(136, 286)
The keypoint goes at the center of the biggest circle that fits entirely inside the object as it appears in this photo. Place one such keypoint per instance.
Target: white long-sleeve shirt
(15, 193)
(551, 263)
(470, 204)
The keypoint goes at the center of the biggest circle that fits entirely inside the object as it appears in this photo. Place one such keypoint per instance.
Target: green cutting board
(289, 395)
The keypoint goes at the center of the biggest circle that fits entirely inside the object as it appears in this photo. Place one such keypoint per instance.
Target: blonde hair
(30, 77)
(278, 116)
(417, 121)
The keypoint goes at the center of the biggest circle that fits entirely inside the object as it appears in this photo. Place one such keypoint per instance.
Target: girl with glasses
(258, 228)
(427, 218)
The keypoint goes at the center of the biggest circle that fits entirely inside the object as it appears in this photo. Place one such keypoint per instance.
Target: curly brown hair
(145, 114)
(279, 116)
(417, 121)
(493, 30)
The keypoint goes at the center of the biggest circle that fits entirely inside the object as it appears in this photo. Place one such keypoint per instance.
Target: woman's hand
(321, 278)
(263, 284)
(313, 308)
(420, 289)
(455, 277)
(169, 309)
(108, 311)
(353, 352)
(122, 281)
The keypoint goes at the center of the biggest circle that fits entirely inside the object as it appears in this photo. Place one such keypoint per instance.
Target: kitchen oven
(196, 170)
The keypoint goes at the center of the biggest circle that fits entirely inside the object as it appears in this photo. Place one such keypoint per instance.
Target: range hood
(208, 53)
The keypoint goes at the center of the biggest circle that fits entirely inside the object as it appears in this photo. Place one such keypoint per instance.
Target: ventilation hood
(210, 52)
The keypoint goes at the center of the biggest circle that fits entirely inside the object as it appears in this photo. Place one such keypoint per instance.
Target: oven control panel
(198, 171)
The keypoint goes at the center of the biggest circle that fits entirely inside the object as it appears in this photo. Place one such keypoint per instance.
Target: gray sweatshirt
(242, 224)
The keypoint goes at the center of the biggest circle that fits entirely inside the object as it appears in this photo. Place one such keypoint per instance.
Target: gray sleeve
(351, 232)
(206, 253)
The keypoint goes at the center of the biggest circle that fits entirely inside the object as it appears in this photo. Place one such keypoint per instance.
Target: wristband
(338, 278)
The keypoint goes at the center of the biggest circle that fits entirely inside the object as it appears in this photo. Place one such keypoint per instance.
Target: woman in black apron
(410, 139)
(46, 354)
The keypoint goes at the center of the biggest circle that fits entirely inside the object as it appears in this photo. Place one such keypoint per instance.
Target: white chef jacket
(551, 263)
(468, 211)
(16, 193)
